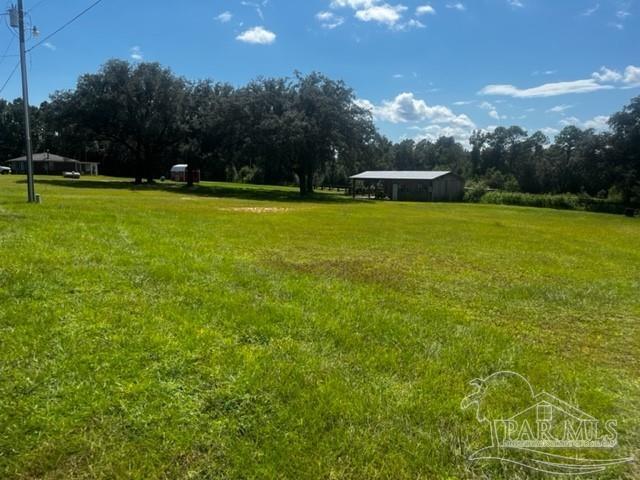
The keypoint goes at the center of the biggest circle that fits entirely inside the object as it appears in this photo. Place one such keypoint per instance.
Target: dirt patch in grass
(257, 209)
(370, 271)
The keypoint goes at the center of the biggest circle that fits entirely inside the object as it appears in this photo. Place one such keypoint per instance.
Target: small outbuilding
(49, 164)
(180, 173)
(419, 186)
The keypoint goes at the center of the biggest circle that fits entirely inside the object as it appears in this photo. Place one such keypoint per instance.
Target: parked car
(74, 175)
(5, 171)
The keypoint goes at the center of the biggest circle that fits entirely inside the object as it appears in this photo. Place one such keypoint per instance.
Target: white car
(5, 171)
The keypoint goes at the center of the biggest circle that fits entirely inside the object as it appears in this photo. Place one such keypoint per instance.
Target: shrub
(474, 192)
(561, 202)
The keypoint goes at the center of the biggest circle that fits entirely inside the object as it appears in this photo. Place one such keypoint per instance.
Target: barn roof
(47, 157)
(399, 175)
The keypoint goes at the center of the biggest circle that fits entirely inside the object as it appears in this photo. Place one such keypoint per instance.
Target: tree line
(139, 119)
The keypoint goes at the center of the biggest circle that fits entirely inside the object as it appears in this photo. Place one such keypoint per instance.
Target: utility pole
(31, 192)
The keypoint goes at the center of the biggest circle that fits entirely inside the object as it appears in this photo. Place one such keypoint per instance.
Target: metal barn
(419, 186)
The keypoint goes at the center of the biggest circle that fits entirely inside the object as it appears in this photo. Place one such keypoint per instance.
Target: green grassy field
(238, 332)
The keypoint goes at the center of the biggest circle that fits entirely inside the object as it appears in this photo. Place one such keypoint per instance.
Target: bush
(560, 202)
(474, 192)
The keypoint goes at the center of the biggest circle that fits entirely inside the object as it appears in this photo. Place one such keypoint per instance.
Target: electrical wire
(10, 77)
(4, 54)
(65, 25)
(36, 6)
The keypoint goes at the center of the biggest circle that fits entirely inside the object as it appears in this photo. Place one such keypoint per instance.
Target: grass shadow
(213, 190)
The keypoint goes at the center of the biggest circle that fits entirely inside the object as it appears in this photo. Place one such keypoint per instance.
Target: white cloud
(258, 36)
(630, 78)
(546, 90)
(433, 132)
(257, 6)
(516, 3)
(544, 72)
(406, 108)
(385, 14)
(559, 108)
(463, 102)
(136, 54)
(224, 17)
(456, 6)
(607, 75)
(355, 4)
(50, 46)
(398, 76)
(425, 10)
(599, 123)
(492, 111)
(413, 23)
(590, 11)
(378, 11)
(622, 14)
(329, 20)
(550, 131)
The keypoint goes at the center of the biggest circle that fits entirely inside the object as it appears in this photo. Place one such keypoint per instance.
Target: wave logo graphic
(538, 430)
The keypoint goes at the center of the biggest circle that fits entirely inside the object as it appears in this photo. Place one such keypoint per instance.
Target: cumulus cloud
(329, 20)
(425, 10)
(599, 123)
(136, 54)
(550, 131)
(257, 36)
(629, 78)
(406, 108)
(515, 3)
(434, 132)
(492, 111)
(385, 14)
(378, 11)
(456, 6)
(607, 75)
(224, 17)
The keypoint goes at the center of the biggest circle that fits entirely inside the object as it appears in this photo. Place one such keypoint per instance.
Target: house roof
(399, 175)
(47, 157)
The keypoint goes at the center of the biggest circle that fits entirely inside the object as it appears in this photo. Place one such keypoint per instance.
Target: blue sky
(424, 68)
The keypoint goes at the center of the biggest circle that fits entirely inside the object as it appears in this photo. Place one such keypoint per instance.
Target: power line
(4, 54)
(10, 77)
(36, 6)
(65, 25)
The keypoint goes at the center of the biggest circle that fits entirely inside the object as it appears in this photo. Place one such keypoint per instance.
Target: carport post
(353, 188)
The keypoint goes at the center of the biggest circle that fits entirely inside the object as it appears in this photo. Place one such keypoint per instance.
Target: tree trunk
(309, 183)
(302, 180)
(138, 180)
(148, 163)
(189, 175)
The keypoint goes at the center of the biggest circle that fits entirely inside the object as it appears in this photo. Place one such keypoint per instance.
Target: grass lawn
(238, 332)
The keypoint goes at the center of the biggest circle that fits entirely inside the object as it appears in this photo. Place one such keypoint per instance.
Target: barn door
(394, 196)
